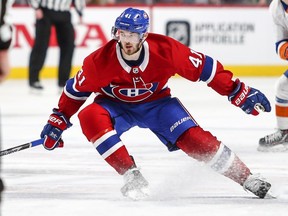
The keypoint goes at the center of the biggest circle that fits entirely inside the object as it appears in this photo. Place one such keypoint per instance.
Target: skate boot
(36, 88)
(256, 185)
(135, 185)
(277, 141)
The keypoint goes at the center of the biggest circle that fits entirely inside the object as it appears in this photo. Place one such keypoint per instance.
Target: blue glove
(53, 130)
(250, 100)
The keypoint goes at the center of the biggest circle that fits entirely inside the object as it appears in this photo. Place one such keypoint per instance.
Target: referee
(53, 13)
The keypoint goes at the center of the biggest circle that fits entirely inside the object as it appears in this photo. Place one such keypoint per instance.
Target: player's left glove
(53, 130)
(250, 100)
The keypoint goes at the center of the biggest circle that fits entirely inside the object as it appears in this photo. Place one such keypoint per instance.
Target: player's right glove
(53, 130)
(250, 100)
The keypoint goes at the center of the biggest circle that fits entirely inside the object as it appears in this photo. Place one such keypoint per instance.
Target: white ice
(75, 180)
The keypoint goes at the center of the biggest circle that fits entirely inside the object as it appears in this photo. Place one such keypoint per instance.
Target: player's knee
(199, 144)
(282, 87)
(94, 121)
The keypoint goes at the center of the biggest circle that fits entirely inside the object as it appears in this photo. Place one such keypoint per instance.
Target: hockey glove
(250, 100)
(53, 130)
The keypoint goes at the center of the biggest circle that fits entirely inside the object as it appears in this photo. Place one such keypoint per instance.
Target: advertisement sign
(241, 38)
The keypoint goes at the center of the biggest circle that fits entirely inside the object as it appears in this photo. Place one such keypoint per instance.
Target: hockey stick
(21, 147)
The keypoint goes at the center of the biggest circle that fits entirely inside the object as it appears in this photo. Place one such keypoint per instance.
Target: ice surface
(75, 180)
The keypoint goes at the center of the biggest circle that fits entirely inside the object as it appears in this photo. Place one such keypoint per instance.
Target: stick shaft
(21, 147)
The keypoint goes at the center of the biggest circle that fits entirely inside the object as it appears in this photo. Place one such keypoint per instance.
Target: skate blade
(138, 194)
(270, 196)
(278, 148)
(37, 92)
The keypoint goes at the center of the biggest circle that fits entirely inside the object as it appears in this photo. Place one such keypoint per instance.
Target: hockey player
(129, 78)
(278, 141)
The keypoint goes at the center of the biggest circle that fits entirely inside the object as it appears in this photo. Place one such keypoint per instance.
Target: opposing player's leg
(203, 146)
(97, 126)
(278, 141)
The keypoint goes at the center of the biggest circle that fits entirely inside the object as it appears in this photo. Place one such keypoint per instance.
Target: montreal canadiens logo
(128, 94)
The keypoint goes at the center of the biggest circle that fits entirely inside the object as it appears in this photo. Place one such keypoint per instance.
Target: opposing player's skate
(258, 186)
(277, 141)
(135, 185)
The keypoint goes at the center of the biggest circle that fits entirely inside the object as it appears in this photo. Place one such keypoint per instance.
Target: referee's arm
(79, 6)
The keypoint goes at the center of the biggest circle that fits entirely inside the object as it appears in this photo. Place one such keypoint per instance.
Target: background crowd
(212, 2)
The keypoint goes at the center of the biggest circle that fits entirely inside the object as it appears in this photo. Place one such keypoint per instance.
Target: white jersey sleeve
(280, 20)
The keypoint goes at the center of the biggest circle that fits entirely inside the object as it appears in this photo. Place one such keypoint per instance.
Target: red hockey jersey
(105, 73)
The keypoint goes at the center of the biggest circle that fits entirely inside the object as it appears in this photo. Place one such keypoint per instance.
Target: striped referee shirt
(59, 5)
(5, 6)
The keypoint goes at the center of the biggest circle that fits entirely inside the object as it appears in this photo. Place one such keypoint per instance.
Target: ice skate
(277, 141)
(258, 186)
(135, 185)
(36, 88)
